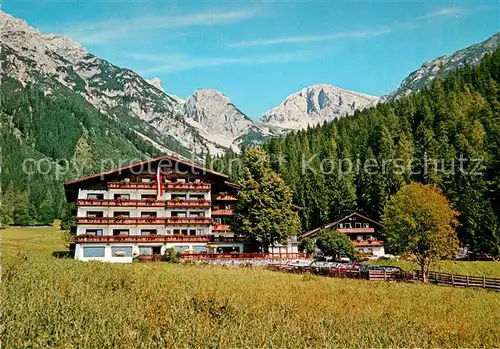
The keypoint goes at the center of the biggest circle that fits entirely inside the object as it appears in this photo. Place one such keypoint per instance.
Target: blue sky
(259, 52)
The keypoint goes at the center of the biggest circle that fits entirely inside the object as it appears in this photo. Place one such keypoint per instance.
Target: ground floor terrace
(126, 248)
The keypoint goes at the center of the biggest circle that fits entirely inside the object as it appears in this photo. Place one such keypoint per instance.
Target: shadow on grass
(62, 254)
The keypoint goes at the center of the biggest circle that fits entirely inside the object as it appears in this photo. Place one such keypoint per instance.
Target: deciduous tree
(420, 223)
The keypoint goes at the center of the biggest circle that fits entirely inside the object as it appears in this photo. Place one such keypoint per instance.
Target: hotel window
(121, 251)
(121, 232)
(196, 196)
(357, 225)
(145, 251)
(199, 231)
(341, 225)
(95, 196)
(196, 214)
(366, 225)
(197, 180)
(217, 221)
(126, 179)
(180, 248)
(121, 213)
(148, 196)
(359, 237)
(178, 196)
(184, 231)
(347, 225)
(94, 232)
(370, 250)
(122, 196)
(228, 207)
(200, 249)
(148, 231)
(93, 252)
(95, 214)
(181, 180)
(177, 231)
(148, 214)
(192, 231)
(179, 214)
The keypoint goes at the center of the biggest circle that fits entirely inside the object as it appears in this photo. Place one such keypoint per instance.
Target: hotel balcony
(221, 228)
(131, 185)
(120, 203)
(121, 220)
(188, 220)
(225, 198)
(221, 212)
(141, 238)
(195, 186)
(227, 239)
(145, 220)
(367, 243)
(188, 203)
(356, 230)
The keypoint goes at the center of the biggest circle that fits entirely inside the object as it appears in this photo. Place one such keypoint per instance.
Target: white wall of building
(109, 257)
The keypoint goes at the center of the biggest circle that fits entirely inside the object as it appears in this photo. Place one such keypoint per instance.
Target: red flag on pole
(159, 183)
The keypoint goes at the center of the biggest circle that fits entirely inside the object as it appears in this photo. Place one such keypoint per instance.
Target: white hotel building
(123, 213)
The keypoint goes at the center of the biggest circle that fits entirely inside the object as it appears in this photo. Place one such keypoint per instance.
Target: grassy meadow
(62, 303)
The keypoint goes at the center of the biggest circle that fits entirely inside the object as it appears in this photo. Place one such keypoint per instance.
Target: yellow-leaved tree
(419, 223)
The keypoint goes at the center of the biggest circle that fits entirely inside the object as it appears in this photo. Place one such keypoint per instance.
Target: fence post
(484, 281)
(467, 280)
(385, 277)
(452, 280)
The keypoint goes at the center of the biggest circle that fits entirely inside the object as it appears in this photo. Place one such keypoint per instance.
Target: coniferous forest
(447, 135)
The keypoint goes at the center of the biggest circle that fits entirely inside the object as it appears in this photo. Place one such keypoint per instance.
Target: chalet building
(146, 207)
(363, 232)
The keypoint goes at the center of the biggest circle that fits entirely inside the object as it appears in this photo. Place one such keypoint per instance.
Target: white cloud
(108, 30)
(310, 38)
(443, 12)
(180, 62)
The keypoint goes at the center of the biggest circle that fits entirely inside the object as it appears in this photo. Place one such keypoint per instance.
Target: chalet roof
(313, 232)
(141, 163)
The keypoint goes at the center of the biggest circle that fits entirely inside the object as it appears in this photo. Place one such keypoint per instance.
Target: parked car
(365, 268)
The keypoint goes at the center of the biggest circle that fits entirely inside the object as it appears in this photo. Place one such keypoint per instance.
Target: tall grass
(50, 302)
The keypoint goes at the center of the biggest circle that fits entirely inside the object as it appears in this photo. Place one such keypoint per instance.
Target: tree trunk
(425, 273)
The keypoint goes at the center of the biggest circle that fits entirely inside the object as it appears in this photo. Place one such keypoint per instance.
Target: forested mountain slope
(457, 117)
(45, 140)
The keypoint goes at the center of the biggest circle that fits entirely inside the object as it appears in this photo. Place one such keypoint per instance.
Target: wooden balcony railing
(221, 227)
(188, 203)
(243, 256)
(367, 243)
(356, 230)
(199, 186)
(188, 220)
(219, 212)
(132, 185)
(120, 202)
(225, 198)
(120, 220)
(227, 239)
(145, 220)
(140, 238)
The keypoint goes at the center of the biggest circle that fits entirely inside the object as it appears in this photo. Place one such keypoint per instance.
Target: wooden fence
(460, 280)
(389, 275)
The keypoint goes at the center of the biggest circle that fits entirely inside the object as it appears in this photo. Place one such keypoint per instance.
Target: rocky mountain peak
(316, 104)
